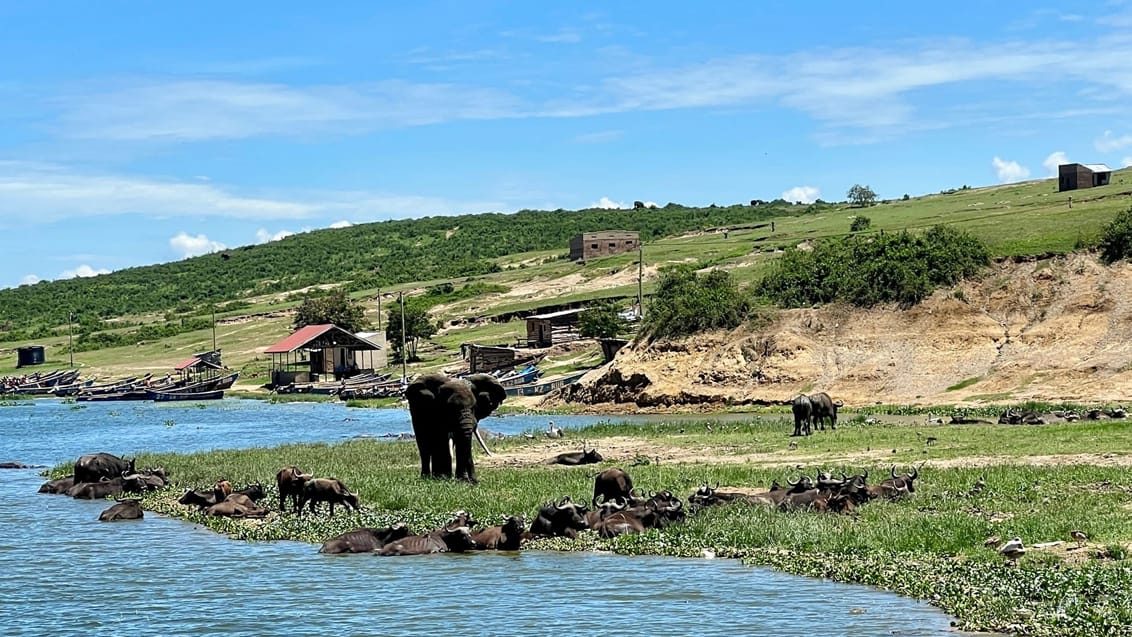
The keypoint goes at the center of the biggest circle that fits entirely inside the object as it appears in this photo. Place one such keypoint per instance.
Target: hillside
(1053, 329)
(521, 268)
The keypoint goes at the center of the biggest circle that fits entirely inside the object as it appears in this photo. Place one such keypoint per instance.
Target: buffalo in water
(58, 485)
(129, 509)
(504, 537)
(364, 540)
(563, 519)
(96, 466)
(447, 540)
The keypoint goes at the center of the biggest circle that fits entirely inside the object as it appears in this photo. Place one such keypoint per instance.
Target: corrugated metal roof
(1098, 168)
(301, 337)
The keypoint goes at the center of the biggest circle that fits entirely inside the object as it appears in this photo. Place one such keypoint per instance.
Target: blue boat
(544, 386)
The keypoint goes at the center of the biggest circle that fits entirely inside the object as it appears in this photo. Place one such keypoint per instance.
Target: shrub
(686, 302)
(602, 320)
(860, 222)
(1116, 241)
(902, 268)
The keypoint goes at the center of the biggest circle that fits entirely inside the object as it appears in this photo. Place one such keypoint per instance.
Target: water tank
(29, 355)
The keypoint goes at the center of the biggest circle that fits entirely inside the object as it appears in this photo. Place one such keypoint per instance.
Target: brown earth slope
(1054, 329)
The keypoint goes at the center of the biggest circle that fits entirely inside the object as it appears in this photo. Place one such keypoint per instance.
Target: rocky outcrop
(1052, 329)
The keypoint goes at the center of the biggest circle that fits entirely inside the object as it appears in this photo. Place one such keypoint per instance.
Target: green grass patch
(965, 383)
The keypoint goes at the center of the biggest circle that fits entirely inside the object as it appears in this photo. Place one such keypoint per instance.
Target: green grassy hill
(521, 258)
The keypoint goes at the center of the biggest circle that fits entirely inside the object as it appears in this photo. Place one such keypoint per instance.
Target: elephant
(444, 408)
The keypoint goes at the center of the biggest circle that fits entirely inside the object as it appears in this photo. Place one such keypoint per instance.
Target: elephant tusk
(482, 445)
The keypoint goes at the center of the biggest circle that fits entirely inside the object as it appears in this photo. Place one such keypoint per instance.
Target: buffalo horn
(915, 473)
(892, 471)
(793, 484)
(483, 446)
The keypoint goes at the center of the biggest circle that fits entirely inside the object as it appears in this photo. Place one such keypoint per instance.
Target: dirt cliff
(1051, 329)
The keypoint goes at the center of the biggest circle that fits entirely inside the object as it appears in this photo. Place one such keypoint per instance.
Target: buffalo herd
(616, 507)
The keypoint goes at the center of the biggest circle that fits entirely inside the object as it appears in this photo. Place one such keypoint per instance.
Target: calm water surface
(65, 573)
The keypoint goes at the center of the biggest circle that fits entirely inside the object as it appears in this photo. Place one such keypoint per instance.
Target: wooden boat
(545, 386)
(163, 396)
(130, 394)
(524, 376)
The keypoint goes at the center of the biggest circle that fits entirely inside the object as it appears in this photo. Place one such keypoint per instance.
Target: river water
(65, 573)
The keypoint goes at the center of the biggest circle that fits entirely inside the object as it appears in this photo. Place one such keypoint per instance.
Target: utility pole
(379, 309)
(71, 337)
(214, 328)
(640, 281)
(404, 353)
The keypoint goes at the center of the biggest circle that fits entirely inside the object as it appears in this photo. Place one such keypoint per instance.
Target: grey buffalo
(803, 413)
(824, 408)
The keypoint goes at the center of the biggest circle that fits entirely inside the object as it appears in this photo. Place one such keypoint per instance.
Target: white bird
(1013, 549)
(552, 431)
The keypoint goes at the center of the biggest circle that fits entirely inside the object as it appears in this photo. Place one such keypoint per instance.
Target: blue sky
(139, 133)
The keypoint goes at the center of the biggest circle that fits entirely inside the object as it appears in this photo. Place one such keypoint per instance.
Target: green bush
(602, 320)
(860, 222)
(686, 303)
(883, 268)
(1116, 243)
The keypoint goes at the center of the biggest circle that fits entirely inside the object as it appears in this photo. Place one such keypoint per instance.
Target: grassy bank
(1042, 482)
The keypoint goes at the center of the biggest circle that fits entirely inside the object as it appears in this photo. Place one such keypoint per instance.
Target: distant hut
(201, 367)
(29, 355)
(322, 352)
(1077, 176)
(589, 245)
(544, 330)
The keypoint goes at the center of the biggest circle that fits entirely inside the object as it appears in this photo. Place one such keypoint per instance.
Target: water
(65, 573)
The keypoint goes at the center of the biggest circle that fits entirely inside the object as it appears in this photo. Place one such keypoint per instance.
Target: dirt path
(624, 450)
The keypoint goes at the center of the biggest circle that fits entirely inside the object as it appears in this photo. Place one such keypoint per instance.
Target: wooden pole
(404, 353)
(640, 280)
(214, 328)
(71, 337)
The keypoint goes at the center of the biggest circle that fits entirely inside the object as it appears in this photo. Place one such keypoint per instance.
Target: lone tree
(861, 196)
(418, 325)
(336, 308)
(602, 320)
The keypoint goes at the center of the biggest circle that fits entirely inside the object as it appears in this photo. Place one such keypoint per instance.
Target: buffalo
(96, 466)
(364, 540)
(198, 497)
(897, 487)
(290, 481)
(575, 458)
(448, 540)
(803, 413)
(58, 485)
(329, 490)
(107, 487)
(129, 509)
(824, 407)
(237, 505)
(505, 537)
(612, 484)
(563, 519)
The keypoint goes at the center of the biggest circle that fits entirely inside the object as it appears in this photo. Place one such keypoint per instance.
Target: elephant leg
(424, 448)
(441, 458)
(465, 466)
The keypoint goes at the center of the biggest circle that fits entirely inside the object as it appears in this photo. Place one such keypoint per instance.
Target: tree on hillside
(861, 196)
(602, 320)
(418, 325)
(1116, 243)
(686, 302)
(336, 308)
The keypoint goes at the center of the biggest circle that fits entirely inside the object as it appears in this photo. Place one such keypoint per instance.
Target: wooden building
(589, 245)
(323, 352)
(483, 359)
(201, 367)
(1077, 176)
(544, 330)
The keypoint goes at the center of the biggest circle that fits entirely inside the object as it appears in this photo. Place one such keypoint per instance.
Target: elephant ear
(489, 394)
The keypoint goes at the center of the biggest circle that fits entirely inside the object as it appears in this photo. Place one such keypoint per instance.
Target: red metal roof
(301, 337)
(189, 363)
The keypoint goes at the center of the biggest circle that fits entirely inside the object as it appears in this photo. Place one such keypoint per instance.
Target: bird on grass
(552, 431)
(980, 484)
(992, 541)
(1012, 550)
(1080, 537)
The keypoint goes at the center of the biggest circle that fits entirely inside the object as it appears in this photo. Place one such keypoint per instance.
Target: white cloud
(56, 192)
(263, 235)
(30, 279)
(83, 271)
(1109, 143)
(1009, 171)
(187, 245)
(607, 204)
(802, 194)
(1054, 160)
(341, 224)
(1126, 162)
